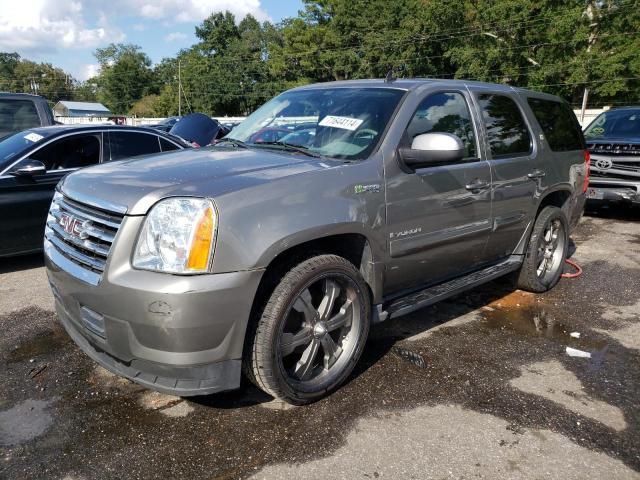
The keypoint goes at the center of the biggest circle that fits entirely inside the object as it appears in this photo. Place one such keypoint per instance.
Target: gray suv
(273, 257)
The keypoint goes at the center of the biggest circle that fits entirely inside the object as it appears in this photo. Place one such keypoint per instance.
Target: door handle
(477, 185)
(536, 174)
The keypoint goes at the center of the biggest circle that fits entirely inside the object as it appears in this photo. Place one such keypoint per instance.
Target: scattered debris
(35, 371)
(574, 352)
(409, 356)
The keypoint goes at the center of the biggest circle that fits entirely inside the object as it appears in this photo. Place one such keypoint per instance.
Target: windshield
(17, 115)
(12, 147)
(616, 123)
(344, 123)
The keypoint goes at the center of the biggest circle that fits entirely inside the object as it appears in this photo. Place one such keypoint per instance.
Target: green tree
(145, 107)
(125, 76)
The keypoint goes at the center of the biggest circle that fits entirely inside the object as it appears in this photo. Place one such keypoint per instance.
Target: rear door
(516, 170)
(127, 143)
(24, 201)
(438, 218)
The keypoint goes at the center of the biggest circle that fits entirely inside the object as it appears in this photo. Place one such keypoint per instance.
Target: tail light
(587, 165)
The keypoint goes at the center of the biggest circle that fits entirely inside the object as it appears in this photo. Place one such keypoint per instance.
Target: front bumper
(181, 335)
(614, 190)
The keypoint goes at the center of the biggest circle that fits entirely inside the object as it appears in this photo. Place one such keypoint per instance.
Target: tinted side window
(167, 146)
(445, 112)
(74, 152)
(507, 131)
(130, 144)
(558, 123)
(17, 115)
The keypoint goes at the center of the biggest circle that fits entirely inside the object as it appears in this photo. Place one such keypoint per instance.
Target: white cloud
(48, 25)
(192, 11)
(38, 28)
(89, 71)
(175, 37)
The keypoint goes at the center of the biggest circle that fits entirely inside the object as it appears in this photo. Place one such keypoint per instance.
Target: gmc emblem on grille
(72, 225)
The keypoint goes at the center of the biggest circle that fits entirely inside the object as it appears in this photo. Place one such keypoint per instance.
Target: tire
(311, 332)
(545, 244)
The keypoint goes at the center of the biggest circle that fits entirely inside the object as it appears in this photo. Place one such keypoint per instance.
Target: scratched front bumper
(155, 322)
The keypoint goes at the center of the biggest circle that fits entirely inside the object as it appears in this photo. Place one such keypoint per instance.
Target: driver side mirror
(30, 168)
(430, 149)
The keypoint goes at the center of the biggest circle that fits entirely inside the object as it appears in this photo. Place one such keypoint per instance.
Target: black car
(613, 139)
(19, 111)
(33, 161)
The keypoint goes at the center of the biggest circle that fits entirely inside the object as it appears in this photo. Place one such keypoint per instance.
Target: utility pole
(593, 26)
(179, 90)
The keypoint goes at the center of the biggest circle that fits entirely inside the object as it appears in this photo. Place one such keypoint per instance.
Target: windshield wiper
(233, 141)
(290, 147)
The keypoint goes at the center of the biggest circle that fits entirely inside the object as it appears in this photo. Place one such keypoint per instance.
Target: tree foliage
(125, 76)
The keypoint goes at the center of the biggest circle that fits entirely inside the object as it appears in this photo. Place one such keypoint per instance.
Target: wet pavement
(479, 386)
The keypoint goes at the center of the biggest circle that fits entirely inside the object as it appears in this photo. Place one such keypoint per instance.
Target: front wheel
(546, 251)
(312, 330)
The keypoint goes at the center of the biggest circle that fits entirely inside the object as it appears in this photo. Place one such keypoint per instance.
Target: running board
(431, 295)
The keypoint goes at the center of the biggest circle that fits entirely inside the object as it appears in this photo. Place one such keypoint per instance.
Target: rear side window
(168, 146)
(558, 123)
(17, 115)
(131, 144)
(507, 131)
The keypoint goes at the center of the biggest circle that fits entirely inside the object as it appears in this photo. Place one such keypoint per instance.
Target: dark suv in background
(20, 111)
(613, 139)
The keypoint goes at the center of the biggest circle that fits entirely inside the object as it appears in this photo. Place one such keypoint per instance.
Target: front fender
(258, 223)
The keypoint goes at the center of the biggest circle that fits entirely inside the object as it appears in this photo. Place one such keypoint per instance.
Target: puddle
(533, 319)
(41, 344)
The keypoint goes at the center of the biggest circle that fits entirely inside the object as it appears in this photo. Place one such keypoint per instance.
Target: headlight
(178, 236)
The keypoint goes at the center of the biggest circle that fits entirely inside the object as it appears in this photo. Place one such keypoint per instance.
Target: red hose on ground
(577, 273)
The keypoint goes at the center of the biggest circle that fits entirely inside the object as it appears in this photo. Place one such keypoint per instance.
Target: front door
(24, 201)
(438, 218)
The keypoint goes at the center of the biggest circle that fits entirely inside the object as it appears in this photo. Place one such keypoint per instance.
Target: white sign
(33, 137)
(346, 123)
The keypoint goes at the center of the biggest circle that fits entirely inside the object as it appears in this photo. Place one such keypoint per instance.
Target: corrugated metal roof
(83, 106)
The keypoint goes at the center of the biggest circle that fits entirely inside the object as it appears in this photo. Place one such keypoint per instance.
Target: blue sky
(66, 32)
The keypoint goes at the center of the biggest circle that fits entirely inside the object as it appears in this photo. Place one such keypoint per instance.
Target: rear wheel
(546, 251)
(312, 330)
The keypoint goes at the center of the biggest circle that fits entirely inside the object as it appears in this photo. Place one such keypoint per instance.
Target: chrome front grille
(81, 234)
(615, 149)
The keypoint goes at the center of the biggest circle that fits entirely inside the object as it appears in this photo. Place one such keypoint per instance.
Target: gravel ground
(479, 386)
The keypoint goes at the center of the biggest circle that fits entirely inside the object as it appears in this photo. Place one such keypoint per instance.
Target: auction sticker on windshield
(346, 123)
(33, 137)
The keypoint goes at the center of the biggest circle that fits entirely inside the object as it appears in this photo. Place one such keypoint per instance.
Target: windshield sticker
(33, 137)
(346, 123)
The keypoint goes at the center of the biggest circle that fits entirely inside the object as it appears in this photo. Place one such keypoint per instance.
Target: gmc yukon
(274, 255)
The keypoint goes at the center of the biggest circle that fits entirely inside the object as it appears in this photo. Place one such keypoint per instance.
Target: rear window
(131, 144)
(17, 115)
(558, 123)
(507, 131)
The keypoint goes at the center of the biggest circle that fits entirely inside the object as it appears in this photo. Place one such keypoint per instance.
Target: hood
(134, 185)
